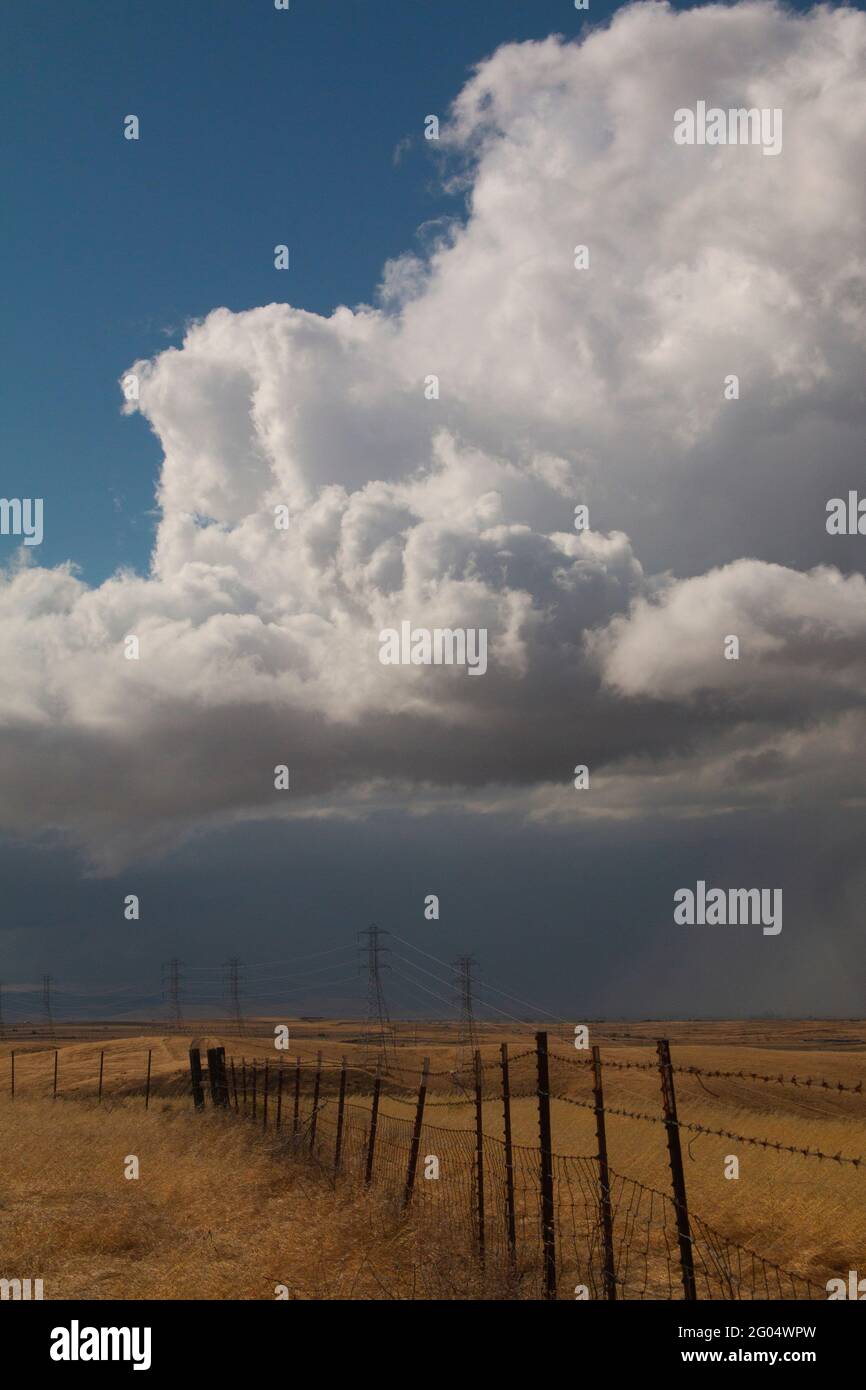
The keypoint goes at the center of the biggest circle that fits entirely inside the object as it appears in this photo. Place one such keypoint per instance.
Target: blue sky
(257, 127)
(260, 127)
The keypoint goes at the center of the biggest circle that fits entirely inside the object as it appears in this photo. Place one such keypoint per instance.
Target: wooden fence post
(374, 1123)
(234, 1085)
(12, 1059)
(54, 1096)
(146, 1084)
(255, 1084)
(223, 1078)
(296, 1117)
(195, 1077)
(548, 1219)
(510, 1218)
(479, 1154)
(678, 1177)
(244, 1081)
(101, 1069)
(341, 1106)
(213, 1076)
(279, 1095)
(265, 1095)
(416, 1132)
(605, 1210)
(316, 1087)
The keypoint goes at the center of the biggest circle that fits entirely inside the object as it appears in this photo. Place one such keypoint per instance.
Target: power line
(414, 966)
(275, 996)
(535, 1009)
(273, 964)
(46, 1004)
(174, 991)
(295, 975)
(312, 955)
(479, 1003)
(198, 986)
(467, 1037)
(487, 985)
(413, 947)
(417, 985)
(380, 1032)
(484, 1004)
(233, 984)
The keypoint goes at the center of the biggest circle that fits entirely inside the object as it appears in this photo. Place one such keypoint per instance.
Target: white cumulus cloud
(558, 386)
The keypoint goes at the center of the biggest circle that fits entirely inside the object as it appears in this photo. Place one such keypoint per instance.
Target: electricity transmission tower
(467, 1034)
(233, 987)
(380, 1033)
(171, 992)
(46, 1004)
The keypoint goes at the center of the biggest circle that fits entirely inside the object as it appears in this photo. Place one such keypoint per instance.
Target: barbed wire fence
(542, 1223)
(546, 1224)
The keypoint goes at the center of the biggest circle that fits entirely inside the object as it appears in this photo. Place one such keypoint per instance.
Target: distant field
(218, 1212)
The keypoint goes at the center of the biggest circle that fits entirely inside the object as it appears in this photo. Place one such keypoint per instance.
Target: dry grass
(218, 1212)
(222, 1212)
(806, 1215)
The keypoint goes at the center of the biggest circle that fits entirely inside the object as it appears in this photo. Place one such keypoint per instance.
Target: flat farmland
(785, 1099)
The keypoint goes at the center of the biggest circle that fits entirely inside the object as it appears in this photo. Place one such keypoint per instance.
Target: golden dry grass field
(217, 1213)
(223, 1210)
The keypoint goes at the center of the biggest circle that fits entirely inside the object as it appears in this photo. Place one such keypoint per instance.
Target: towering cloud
(557, 386)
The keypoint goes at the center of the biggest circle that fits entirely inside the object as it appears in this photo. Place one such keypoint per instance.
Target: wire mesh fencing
(527, 1220)
(522, 1213)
